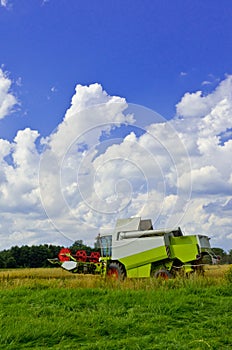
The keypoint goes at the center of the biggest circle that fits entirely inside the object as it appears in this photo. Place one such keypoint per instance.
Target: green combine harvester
(135, 250)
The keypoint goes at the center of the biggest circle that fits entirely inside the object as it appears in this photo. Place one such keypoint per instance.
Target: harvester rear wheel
(115, 271)
(163, 274)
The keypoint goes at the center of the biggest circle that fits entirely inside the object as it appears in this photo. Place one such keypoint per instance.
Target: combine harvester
(134, 249)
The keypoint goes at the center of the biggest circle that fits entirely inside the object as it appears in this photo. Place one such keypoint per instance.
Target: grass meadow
(53, 309)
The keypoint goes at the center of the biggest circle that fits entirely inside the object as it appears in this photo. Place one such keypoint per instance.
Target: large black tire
(115, 271)
(163, 274)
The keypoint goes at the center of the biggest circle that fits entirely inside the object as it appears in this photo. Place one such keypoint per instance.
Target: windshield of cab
(106, 246)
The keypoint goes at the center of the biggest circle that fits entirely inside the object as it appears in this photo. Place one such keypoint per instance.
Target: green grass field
(53, 309)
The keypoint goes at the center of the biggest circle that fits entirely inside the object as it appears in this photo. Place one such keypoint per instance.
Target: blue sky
(156, 54)
(149, 52)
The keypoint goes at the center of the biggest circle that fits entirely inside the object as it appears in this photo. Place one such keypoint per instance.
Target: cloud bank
(108, 159)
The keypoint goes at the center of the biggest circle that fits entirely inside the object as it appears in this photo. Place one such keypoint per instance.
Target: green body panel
(144, 258)
(187, 268)
(183, 240)
(141, 271)
(184, 248)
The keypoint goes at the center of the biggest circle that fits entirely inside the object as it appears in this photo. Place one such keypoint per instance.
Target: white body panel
(126, 247)
(130, 224)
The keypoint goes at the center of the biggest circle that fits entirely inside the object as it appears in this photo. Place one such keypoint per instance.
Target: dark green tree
(11, 262)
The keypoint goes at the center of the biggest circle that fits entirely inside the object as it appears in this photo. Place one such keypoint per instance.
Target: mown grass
(53, 309)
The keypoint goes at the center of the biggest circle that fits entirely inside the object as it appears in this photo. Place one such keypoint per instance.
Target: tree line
(36, 255)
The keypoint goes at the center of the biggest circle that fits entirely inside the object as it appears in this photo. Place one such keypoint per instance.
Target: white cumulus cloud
(4, 3)
(176, 172)
(7, 99)
(195, 104)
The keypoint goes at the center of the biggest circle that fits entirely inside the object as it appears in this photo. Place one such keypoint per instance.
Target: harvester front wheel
(115, 271)
(163, 274)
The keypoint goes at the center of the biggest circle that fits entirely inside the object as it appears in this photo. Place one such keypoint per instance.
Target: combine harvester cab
(134, 249)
